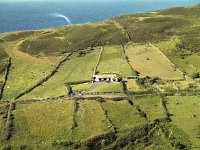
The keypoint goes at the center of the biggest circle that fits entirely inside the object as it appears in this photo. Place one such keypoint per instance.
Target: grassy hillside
(186, 109)
(74, 69)
(58, 106)
(4, 62)
(113, 61)
(149, 61)
(73, 38)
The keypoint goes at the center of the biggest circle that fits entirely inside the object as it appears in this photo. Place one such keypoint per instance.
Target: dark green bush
(195, 75)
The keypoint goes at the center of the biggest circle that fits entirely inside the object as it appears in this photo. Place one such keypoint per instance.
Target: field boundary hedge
(106, 116)
(127, 59)
(98, 61)
(44, 79)
(119, 26)
(10, 122)
(5, 76)
(163, 102)
(184, 76)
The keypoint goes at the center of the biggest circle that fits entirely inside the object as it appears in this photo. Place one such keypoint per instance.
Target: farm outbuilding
(106, 78)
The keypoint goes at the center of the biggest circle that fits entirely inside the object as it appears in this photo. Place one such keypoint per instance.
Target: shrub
(195, 75)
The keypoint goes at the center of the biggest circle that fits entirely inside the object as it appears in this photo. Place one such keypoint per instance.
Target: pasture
(186, 115)
(74, 69)
(189, 64)
(123, 115)
(113, 62)
(132, 86)
(90, 120)
(108, 87)
(183, 58)
(42, 123)
(151, 105)
(25, 71)
(148, 61)
(81, 87)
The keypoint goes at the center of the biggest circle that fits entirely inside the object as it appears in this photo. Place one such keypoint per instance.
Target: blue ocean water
(38, 14)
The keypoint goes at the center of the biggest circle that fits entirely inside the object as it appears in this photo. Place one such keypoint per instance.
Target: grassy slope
(152, 106)
(148, 61)
(74, 38)
(26, 70)
(142, 28)
(41, 123)
(123, 115)
(188, 62)
(75, 69)
(81, 87)
(113, 61)
(132, 85)
(145, 27)
(108, 87)
(183, 109)
(91, 121)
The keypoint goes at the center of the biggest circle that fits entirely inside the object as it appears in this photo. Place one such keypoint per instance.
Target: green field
(158, 110)
(190, 64)
(81, 87)
(25, 71)
(113, 61)
(108, 87)
(91, 121)
(132, 85)
(123, 115)
(39, 124)
(75, 69)
(149, 61)
(152, 106)
(185, 60)
(186, 116)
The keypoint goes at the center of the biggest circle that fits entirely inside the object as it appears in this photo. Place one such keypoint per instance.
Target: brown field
(149, 61)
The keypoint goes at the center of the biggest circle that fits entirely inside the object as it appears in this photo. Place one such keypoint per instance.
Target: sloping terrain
(49, 99)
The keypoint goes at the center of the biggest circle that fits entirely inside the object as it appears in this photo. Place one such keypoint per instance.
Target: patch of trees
(148, 81)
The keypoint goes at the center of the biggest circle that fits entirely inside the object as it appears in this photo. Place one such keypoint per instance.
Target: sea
(39, 14)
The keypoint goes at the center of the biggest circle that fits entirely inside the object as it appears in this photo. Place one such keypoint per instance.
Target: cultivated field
(148, 61)
(186, 116)
(39, 124)
(113, 61)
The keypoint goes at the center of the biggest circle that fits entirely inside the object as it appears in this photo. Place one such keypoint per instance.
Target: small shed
(105, 78)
